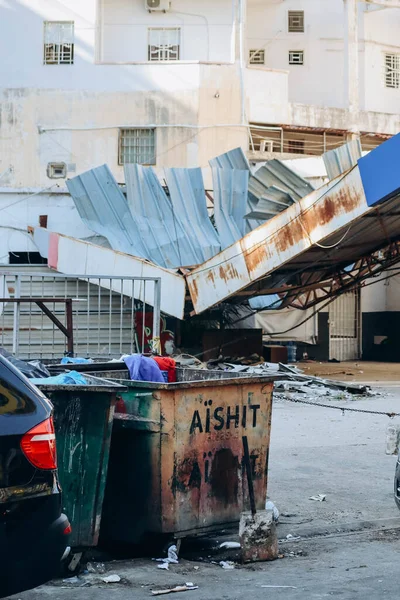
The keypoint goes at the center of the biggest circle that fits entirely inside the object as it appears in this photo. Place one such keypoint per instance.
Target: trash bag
(30, 369)
(70, 378)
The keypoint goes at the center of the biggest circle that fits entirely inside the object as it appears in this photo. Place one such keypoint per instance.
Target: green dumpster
(83, 417)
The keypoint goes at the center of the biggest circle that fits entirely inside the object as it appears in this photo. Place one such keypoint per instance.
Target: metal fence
(108, 316)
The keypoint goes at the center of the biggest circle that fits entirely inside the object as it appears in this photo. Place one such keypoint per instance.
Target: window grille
(296, 21)
(296, 57)
(137, 146)
(257, 57)
(392, 70)
(58, 43)
(164, 44)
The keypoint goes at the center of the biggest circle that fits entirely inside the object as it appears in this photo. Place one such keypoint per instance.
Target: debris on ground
(72, 580)
(164, 565)
(229, 546)
(178, 588)
(98, 568)
(318, 498)
(290, 587)
(111, 579)
(227, 564)
(269, 505)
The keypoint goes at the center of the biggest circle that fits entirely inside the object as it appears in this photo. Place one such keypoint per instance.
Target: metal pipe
(241, 62)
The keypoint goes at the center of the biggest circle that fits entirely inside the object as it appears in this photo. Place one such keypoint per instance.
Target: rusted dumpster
(175, 463)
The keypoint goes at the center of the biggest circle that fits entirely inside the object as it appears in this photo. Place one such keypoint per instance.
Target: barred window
(392, 70)
(137, 146)
(296, 21)
(296, 57)
(164, 44)
(257, 57)
(58, 43)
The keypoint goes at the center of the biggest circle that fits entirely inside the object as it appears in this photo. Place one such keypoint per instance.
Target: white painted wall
(206, 29)
(320, 81)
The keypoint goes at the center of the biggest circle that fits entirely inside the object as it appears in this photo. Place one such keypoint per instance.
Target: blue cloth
(75, 360)
(142, 368)
(71, 378)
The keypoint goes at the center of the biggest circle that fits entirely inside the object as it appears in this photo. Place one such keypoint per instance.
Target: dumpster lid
(199, 383)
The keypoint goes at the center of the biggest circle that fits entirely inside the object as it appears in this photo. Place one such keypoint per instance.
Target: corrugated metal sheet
(341, 159)
(279, 241)
(230, 203)
(103, 208)
(274, 174)
(186, 188)
(233, 159)
(159, 226)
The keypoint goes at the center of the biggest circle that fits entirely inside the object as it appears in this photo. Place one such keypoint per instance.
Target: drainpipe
(351, 65)
(241, 61)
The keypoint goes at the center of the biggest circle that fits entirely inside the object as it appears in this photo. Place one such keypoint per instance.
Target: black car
(33, 531)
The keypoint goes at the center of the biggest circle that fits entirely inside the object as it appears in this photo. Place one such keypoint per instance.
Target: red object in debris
(167, 364)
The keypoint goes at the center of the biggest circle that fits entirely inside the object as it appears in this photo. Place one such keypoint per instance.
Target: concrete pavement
(313, 450)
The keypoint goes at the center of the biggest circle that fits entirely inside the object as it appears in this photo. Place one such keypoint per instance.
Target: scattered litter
(196, 568)
(164, 565)
(173, 555)
(292, 537)
(227, 564)
(229, 545)
(189, 584)
(98, 568)
(269, 505)
(291, 587)
(318, 498)
(178, 588)
(72, 580)
(111, 579)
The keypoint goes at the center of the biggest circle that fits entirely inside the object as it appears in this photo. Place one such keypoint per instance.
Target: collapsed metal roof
(318, 245)
(172, 228)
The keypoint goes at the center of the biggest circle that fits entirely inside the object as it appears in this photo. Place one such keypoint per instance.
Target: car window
(13, 402)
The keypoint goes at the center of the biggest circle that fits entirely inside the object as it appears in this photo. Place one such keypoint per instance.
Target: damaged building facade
(175, 84)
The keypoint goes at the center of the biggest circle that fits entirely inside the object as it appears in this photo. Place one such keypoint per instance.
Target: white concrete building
(176, 82)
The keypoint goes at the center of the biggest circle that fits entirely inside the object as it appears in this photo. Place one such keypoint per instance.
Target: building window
(296, 146)
(392, 70)
(137, 146)
(164, 44)
(257, 57)
(58, 43)
(296, 21)
(296, 57)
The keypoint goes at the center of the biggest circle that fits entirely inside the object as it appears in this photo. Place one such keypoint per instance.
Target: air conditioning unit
(266, 146)
(157, 5)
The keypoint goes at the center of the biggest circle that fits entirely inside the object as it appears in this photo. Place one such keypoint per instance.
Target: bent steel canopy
(317, 243)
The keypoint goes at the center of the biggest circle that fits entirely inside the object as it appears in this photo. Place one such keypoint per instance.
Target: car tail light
(39, 445)
(68, 529)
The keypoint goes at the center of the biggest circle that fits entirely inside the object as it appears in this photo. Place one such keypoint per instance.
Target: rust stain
(323, 212)
(210, 276)
(194, 290)
(227, 272)
(225, 476)
(255, 257)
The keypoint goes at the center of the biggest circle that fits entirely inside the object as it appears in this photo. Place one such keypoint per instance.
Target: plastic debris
(178, 588)
(269, 505)
(173, 555)
(292, 537)
(164, 565)
(229, 545)
(227, 564)
(72, 580)
(111, 579)
(98, 568)
(70, 378)
(318, 498)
